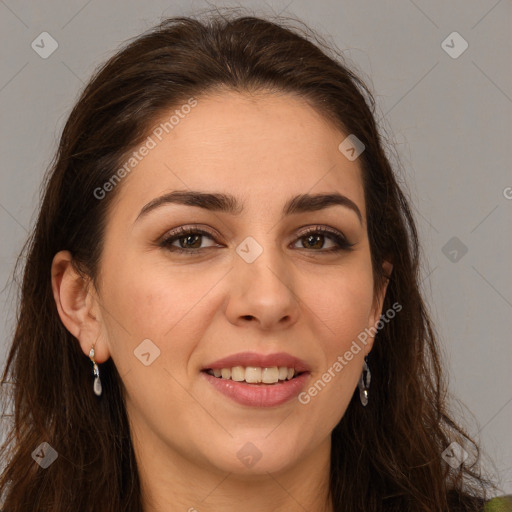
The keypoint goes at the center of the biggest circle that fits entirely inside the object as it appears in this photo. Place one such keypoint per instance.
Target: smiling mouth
(255, 375)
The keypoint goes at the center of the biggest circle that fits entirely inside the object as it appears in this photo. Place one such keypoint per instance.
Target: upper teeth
(254, 374)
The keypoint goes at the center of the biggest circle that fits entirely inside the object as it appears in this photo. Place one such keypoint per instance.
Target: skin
(197, 308)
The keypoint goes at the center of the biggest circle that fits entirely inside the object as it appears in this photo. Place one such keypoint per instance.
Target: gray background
(449, 118)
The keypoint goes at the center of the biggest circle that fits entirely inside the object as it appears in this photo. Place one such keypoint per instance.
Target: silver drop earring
(97, 382)
(364, 383)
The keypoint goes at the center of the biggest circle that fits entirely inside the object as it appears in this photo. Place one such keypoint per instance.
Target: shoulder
(499, 504)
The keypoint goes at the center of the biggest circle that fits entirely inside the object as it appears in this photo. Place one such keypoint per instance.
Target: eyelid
(185, 230)
(323, 230)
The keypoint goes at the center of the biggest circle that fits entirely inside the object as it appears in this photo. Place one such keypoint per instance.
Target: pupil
(188, 238)
(311, 239)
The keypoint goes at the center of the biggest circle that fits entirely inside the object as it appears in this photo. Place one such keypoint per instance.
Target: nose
(262, 292)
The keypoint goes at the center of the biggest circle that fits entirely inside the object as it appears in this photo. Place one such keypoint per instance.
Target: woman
(220, 303)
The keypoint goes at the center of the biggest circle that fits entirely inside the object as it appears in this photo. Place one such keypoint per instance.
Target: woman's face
(250, 278)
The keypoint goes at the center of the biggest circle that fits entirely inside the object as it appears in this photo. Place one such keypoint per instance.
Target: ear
(378, 302)
(78, 306)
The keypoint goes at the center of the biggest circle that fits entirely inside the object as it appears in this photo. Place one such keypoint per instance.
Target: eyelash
(181, 232)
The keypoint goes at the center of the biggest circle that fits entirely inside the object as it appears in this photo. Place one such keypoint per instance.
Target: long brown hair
(386, 456)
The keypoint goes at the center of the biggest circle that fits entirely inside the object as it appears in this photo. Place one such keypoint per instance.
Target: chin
(252, 456)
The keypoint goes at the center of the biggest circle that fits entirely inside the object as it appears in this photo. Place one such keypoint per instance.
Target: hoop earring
(97, 382)
(364, 383)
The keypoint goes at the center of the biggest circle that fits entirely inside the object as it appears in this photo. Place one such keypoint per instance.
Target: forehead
(259, 146)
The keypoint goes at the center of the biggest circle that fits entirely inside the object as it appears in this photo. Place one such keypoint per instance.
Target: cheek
(153, 302)
(341, 302)
(344, 307)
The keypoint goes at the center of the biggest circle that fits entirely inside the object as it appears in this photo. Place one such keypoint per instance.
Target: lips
(259, 360)
(260, 394)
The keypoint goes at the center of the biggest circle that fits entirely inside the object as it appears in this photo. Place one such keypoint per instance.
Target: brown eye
(189, 240)
(314, 239)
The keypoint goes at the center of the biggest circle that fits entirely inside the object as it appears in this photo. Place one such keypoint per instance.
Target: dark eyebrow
(229, 204)
(311, 203)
